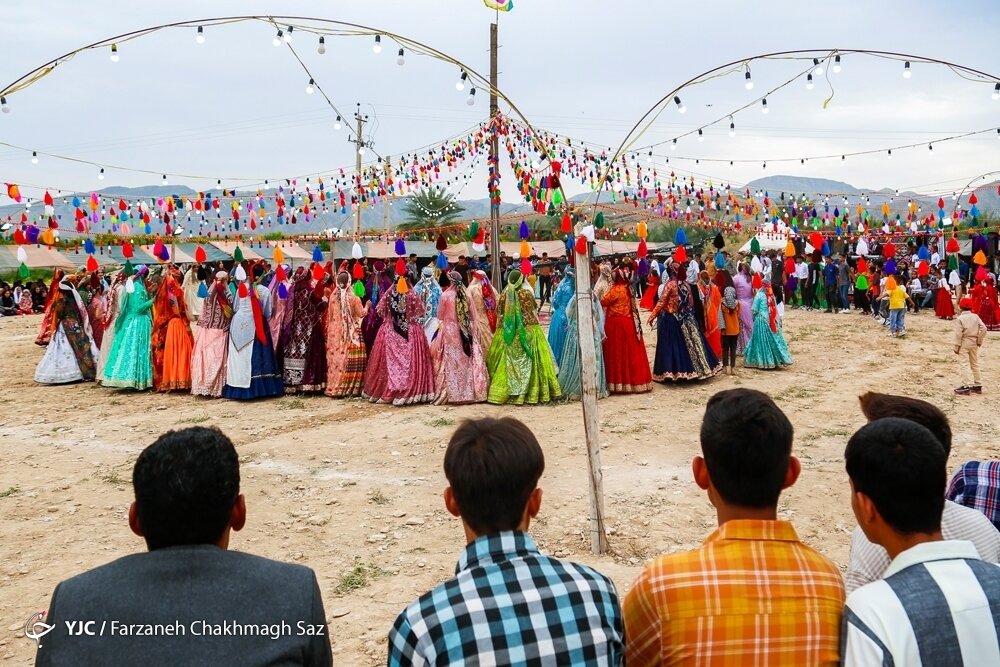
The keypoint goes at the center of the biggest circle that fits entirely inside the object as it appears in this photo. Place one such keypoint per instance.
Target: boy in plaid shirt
(507, 603)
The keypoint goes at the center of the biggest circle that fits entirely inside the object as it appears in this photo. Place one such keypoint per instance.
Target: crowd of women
(388, 338)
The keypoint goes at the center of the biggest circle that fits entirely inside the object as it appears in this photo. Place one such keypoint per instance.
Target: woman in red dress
(989, 307)
(649, 297)
(943, 305)
(625, 361)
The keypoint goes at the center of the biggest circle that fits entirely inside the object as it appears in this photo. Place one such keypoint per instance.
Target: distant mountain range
(373, 218)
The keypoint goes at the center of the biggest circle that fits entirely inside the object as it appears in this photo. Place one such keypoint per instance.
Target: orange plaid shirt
(753, 594)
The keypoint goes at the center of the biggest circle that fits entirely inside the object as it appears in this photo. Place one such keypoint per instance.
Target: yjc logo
(36, 628)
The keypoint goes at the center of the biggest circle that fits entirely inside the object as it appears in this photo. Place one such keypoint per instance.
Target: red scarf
(772, 309)
(258, 316)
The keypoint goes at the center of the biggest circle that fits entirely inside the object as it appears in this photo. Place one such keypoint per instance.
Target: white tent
(772, 242)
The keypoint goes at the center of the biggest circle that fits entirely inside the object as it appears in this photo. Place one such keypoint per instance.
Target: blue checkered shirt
(509, 604)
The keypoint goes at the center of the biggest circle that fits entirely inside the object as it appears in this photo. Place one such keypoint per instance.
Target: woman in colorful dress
(522, 369)
(346, 358)
(191, 285)
(484, 303)
(304, 366)
(97, 305)
(625, 362)
(130, 364)
(569, 361)
(989, 308)
(208, 363)
(682, 353)
(172, 343)
(71, 354)
(112, 309)
(560, 299)
(744, 293)
(459, 370)
(280, 289)
(767, 348)
(944, 307)
(376, 287)
(46, 329)
(399, 366)
(711, 300)
(429, 291)
(251, 369)
(604, 280)
(650, 296)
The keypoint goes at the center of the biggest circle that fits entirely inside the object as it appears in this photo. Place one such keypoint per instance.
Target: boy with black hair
(753, 593)
(188, 600)
(507, 603)
(937, 602)
(868, 561)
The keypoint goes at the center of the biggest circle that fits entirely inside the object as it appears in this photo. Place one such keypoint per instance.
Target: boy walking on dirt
(970, 333)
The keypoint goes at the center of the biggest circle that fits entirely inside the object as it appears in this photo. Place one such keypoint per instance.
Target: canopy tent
(212, 254)
(229, 247)
(114, 253)
(177, 255)
(39, 257)
(295, 255)
(79, 258)
(387, 249)
(772, 242)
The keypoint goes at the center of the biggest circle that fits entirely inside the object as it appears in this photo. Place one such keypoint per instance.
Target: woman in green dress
(130, 363)
(522, 369)
(767, 347)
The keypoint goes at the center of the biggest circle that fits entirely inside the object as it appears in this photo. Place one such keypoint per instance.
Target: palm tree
(430, 208)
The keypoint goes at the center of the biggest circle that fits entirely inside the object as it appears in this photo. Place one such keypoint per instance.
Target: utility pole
(386, 172)
(359, 146)
(494, 162)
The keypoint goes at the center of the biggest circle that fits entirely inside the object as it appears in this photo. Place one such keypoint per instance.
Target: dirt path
(354, 490)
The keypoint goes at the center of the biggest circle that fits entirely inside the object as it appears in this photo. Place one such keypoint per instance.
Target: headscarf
(397, 309)
(729, 298)
(462, 311)
(772, 307)
(48, 326)
(513, 318)
(489, 297)
(111, 310)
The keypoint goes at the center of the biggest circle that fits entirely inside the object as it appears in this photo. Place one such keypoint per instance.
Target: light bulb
(998, 137)
(680, 105)
(802, 162)
(996, 92)
(361, 150)
(277, 38)
(288, 35)
(819, 68)
(906, 70)
(377, 46)
(114, 53)
(34, 157)
(764, 166)
(763, 106)
(100, 174)
(732, 129)
(748, 84)
(843, 159)
(673, 145)
(309, 87)
(460, 84)
(930, 147)
(164, 182)
(836, 65)
(701, 135)
(889, 154)
(336, 124)
(649, 158)
(200, 36)
(400, 60)
(471, 99)
(3, 105)
(730, 164)
(322, 45)
(809, 82)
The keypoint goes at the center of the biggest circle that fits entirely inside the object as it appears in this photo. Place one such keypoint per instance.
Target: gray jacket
(188, 605)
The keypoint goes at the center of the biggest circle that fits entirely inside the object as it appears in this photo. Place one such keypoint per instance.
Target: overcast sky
(235, 106)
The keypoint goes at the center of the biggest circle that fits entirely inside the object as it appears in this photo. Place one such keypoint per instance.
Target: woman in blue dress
(130, 363)
(767, 347)
(251, 368)
(569, 361)
(560, 300)
(682, 353)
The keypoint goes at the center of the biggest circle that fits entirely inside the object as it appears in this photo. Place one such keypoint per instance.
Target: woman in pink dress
(744, 294)
(208, 363)
(399, 366)
(460, 374)
(345, 349)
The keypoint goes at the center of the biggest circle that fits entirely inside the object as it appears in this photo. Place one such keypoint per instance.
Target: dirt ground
(353, 490)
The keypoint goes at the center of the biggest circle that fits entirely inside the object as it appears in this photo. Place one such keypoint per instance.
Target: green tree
(431, 208)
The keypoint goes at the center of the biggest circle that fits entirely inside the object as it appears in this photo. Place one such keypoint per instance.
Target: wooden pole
(588, 398)
(359, 143)
(387, 170)
(494, 162)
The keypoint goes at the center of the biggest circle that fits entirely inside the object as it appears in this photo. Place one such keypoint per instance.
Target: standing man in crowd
(753, 593)
(830, 275)
(544, 269)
